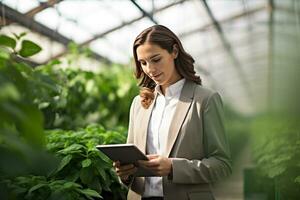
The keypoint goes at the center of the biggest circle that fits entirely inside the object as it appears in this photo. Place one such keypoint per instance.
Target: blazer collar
(183, 105)
(144, 124)
(180, 113)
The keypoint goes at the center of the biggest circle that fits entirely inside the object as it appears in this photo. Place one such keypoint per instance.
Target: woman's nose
(151, 68)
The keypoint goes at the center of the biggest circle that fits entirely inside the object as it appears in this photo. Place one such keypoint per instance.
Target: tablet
(126, 154)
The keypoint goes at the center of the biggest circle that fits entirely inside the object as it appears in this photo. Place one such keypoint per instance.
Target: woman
(175, 121)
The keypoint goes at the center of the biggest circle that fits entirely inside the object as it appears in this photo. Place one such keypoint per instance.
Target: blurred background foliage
(87, 97)
(275, 142)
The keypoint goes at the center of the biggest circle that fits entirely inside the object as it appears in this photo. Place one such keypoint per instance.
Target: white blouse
(158, 129)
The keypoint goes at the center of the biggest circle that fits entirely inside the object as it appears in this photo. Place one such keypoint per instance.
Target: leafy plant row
(276, 150)
(81, 173)
(70, 167)
(87, 97)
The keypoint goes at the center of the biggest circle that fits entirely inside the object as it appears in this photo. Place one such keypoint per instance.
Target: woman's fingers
(116, 164)
(152, 156)
(158, 164)
(125, 170)
(150, 163)
(125, 167)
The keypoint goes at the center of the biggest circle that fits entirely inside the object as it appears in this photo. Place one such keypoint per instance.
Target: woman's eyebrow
(151, 57)
(154, 56)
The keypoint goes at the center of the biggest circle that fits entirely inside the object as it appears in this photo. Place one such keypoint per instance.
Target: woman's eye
(143, 63)
(156, 60)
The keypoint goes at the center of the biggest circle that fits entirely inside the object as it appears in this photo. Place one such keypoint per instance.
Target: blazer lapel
(141, 141)
(180, 113)
(144, 125)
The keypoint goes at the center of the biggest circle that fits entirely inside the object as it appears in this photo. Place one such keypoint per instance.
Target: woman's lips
(156, 76)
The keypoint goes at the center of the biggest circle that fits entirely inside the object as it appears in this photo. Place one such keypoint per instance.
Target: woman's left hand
(161, 166)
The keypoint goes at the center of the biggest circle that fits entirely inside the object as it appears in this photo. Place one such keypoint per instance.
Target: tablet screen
(126, 154)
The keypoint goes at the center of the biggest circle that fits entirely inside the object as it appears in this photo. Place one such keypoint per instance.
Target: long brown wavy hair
(165, 39)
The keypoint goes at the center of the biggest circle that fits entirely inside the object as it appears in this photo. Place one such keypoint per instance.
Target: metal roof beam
(34, 11)
(100, 35)
(33, 25)
(41, 7)
(270, 67)
(150, 16)
(225, 20)
(227, 46)
(97, 36)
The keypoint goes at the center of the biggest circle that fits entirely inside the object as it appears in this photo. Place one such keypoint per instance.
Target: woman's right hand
(124, 171)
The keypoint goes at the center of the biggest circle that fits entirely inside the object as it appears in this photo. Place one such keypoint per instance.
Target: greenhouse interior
(67, 81)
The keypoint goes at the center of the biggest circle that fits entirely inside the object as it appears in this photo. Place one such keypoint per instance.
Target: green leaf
(74, 148)
(9, 91)
(68, 185)
(7, 41)
(101, 172)
(91, 193)
(54, 62)
(40, 185)
(276, 171)
(18, 37)
(22, 34)
(66, 160)
(43, 105)
(56, 183)
(86, 175)
(25, 114)
(73, 175)
(87, 162)
(45, 81)
(29, 48)
(4, 55)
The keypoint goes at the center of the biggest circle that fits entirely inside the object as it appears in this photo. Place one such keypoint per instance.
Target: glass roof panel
(223, 9)
(176, 17)
(117, 46)
(48, 17)
(23, 6)
(51, 18)
(97, 16)
(202, 42)
(150, 5)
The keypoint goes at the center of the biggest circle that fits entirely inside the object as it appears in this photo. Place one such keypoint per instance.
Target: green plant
(22, 136)
(82, 162)
(27, 171)
(88, 97)
(70, 98)
(276, 149)
(40, 188)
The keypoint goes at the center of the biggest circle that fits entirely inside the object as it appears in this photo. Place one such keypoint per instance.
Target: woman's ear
(175, 51)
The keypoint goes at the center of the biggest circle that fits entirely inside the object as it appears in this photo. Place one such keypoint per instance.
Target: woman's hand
(124, 171)
(161, 166)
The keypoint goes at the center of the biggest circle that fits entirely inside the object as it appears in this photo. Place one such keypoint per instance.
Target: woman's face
(158, 64)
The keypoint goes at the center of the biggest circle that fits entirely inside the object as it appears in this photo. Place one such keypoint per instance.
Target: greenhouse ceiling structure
(245, 49)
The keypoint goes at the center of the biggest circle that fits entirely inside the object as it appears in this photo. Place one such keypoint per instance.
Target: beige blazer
(196, 143)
